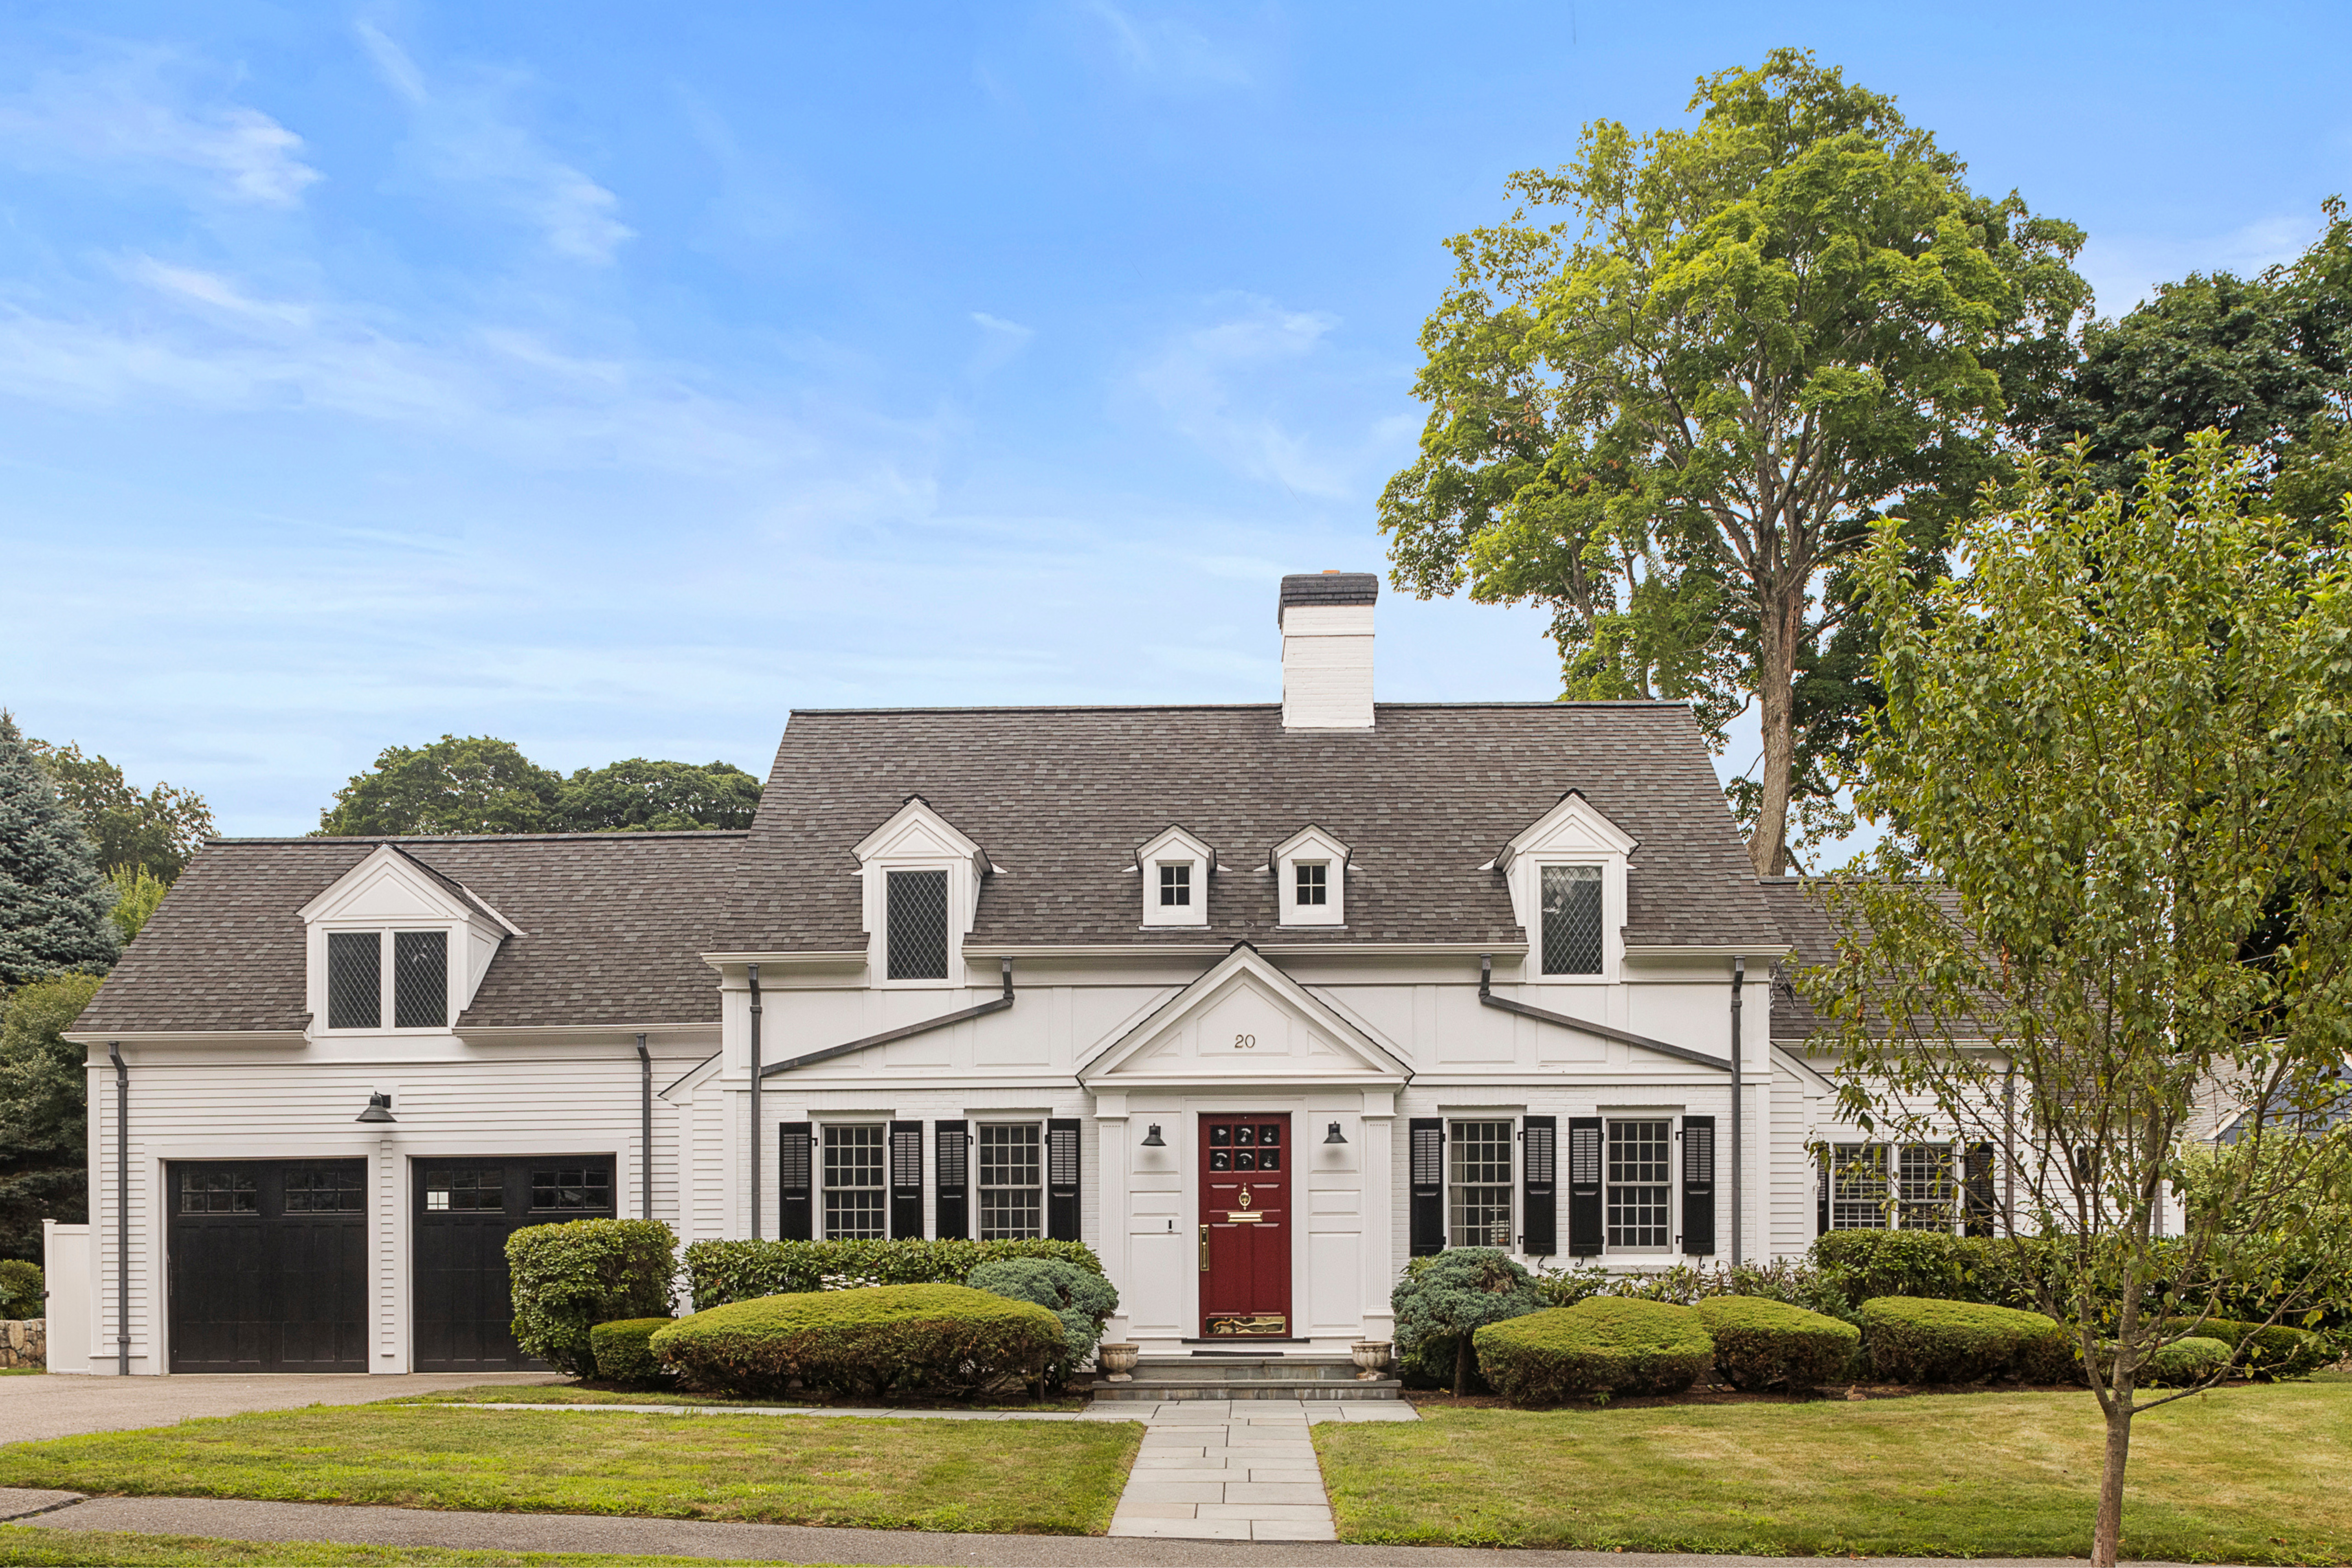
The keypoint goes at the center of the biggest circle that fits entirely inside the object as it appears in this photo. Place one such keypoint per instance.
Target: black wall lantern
(1334, 1135)
(379, 1109)
(1152, 1139)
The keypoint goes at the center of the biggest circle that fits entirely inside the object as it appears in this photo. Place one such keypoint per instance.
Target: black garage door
(268, 1265)
(465, 1209)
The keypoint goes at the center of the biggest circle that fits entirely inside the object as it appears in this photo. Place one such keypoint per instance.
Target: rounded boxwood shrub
(1444, 1300)
(623, 1353)
(2185, 1362)
(2266, 1351)
(1603, 1345)
(1081, 1298)
(569, 1278)
(1770, 1344)
(946, 1338)
(1913, 1338)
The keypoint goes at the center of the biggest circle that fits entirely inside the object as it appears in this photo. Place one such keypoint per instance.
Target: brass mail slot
(1244, 1216)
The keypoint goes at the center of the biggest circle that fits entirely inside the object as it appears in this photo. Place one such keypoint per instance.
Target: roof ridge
(403, 839)
(1640, 703)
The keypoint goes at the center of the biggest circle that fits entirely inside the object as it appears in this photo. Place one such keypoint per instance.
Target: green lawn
(2244, 1475)
(23, 1547)
(1043, 1477)
(574, 1394)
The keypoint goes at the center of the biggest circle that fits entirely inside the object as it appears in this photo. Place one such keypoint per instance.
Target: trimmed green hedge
(22, 1288)
(2266, 1351)
(623, 1351)
(2185, 1362)
(569, 1278)
(1909, 1338)
(719, 1272)
(1603, 1345)
(940, 1338)
(1767, 1344)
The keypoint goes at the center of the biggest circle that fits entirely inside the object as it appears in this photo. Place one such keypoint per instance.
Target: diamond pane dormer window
(1571, 920)
(354, 980)
(420, 979)
(917, 934)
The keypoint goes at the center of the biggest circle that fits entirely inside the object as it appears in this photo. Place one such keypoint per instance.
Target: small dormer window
(1571, 920)
(1313, 882)
(413, 988)
(1176, 869)
(1176, 885)
(1310, 870)
(918, 927)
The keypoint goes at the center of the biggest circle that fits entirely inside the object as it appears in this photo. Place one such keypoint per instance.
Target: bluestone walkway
(1241, 1469)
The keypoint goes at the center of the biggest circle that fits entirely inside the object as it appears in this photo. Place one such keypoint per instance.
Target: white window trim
(1514, 1196)
(821, 1187)
(918, 838)
(453, 975)
(1175, 846)
(1890, 1207)
(1673, 1118)
(1572, 833)
(971, 1167)
(1311, 846)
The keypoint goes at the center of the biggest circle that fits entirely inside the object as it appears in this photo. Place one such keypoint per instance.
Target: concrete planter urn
(1118, 1362)
(1372, 1357)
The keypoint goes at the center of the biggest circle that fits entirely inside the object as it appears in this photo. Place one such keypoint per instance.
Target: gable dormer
(922, 878)
(1310, 870)
(1175, 867)
(1566, 872)
(396, 947)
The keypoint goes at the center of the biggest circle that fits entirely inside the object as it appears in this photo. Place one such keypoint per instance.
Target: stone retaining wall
(24, 1342)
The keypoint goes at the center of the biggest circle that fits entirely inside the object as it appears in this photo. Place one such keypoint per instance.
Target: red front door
(1246, 1226)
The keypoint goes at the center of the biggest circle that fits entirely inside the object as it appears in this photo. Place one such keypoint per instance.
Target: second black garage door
(465, 1209)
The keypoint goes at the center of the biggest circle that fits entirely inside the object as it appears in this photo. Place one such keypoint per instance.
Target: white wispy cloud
(1166, 49)
(2125, 269)
(1212, 384)
(467, 139)
(142, 107)
(1000, 342)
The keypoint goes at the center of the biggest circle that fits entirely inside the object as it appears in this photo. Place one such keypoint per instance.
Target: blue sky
(614, 379)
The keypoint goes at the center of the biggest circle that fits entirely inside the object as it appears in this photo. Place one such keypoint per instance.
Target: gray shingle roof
(1328, 588)
(1062, 796)
(612, 925)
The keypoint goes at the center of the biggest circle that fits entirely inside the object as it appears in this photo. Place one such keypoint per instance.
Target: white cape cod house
(1257, 1001)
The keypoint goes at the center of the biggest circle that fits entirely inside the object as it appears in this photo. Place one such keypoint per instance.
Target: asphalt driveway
(58, 1404)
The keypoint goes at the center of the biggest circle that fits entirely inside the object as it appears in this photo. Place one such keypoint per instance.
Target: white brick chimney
(1327, 649)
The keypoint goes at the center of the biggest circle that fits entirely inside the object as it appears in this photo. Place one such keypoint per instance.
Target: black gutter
(901, 1033)
(122, 1211)
(1625, 1037)
(646, 1137)
(1739, 974)
(752, 970)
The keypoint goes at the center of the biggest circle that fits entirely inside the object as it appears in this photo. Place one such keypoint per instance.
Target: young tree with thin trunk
(1674, 427)
(2113, 915)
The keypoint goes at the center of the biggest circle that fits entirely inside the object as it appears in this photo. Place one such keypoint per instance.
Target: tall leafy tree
(1672, 419)
(53, 901)
(472, 783)
(2113, 758)
(640, 795)
(154, 830)
(44, 1130)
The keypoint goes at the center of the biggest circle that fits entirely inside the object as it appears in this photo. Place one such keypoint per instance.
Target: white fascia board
(917, 814)
(1306, 836)
(1708, 950)
(845, 957)
(524, 1034)
(1245, 959)
(186, 1037)
(385, 860)
(1572, 813)
(1173, 834)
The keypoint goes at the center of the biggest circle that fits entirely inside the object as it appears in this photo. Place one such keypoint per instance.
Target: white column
(1377, 1168)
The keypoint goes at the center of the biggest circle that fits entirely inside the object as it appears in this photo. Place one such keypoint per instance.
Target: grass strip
(21, 1546)
(1028, 1478)
(2244, 1475)
(576, 1394)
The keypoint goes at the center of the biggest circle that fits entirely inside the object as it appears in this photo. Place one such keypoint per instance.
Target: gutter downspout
(646, 1136)
(1739, 1166)
(121, 1210)
(752, 970)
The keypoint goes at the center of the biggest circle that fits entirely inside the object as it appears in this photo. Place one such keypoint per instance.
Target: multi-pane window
(1881, 1186)
(1478, 1183)
(571, 1188)
(337, 1188)
(465, 1189)
(219, 1191)
(917, 929)
(420, 979)
(1011, 1183)
(1639, 1182)
(354, 980)
(855, 1191)
(1176, 886)
(1571, 920)
(1313, 882)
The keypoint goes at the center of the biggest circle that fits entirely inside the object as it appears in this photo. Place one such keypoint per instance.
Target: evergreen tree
(44, 1125)
(52, 901)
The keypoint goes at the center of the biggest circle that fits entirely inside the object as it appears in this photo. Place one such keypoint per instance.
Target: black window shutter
(1698, 1185)
(1427, 1184)
(1821, 1195)
(794, 1165)
(1584, 1228)
(1975, 1190)
(905, 1181)
(1062, 1180)
(952, 1139)
(1542, 1237)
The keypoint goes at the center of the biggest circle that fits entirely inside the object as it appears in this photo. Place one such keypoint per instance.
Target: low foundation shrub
(1603, 1345)
(717, 1272)
(2266, 1351)
(1770, 1344)
(567, 1278)
(623, 1351)
(1444, 1300)
(22, 1288)
(1082, 1300)
(1908, 1339)
(933, 1338)
(2184, 1361)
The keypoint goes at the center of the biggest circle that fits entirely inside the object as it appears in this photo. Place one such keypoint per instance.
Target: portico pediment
(1244, 1022)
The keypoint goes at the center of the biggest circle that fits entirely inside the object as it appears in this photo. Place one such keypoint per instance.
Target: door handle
(1205, 1250)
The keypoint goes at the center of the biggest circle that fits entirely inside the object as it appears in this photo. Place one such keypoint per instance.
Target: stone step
(1246, 1369)
(1157, 1390)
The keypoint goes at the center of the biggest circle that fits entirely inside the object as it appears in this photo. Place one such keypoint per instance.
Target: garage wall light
(1334, 1135)
(379, 1109)
(1152, 1139)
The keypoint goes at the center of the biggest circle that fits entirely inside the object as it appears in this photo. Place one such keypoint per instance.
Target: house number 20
(1244, 1042)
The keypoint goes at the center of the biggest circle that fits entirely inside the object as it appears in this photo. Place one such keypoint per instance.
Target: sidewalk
(60, 1405)
(239, 1520)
